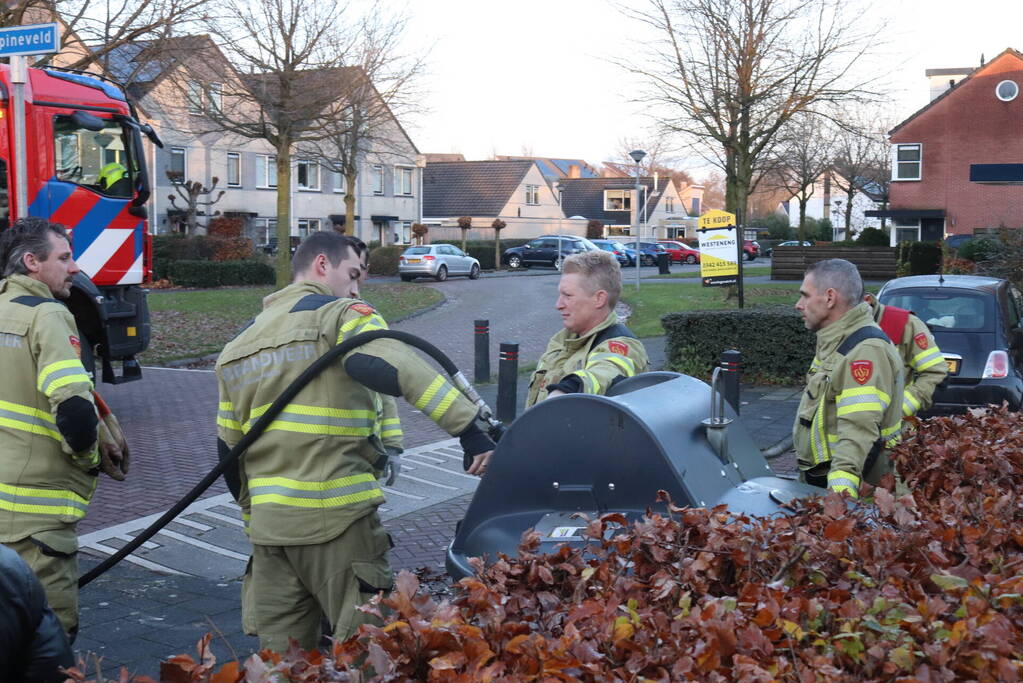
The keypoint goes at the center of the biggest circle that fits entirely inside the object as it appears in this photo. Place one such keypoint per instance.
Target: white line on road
(146, 564)
(403, 494)
(428, 482)
(449, 472)
(189, 523)
(148, 545)
(204, 545)
(228, 519)
(157, 367)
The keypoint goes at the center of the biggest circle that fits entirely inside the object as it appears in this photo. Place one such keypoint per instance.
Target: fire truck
(86, 169)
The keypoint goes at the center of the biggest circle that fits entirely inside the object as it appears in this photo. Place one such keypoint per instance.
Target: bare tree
(860, 163)
(803, 155)
(729, 74)
(278, 71)
(97, 29)
(191, 193)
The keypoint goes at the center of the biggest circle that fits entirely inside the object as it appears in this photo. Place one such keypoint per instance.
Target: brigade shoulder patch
(365, 309)
(861, 370)
(921, 340)
(76, 344)
(621, 348)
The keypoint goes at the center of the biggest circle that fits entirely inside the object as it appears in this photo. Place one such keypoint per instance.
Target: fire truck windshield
(97, 160)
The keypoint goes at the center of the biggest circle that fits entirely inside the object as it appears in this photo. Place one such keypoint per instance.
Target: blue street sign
(34, 39)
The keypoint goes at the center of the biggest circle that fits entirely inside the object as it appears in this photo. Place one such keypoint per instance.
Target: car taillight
(997, 365)
(429, 257)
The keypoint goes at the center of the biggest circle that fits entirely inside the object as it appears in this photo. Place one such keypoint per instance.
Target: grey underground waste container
(663, 263)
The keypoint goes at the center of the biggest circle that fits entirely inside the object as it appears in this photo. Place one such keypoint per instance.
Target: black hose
(260, 426)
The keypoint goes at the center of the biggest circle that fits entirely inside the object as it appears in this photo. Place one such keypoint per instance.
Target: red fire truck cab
(86, 169)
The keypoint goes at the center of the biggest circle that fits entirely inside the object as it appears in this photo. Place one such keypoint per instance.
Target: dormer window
(1007, 91)
(617, 200)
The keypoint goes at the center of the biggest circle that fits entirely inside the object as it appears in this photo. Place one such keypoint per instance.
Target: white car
(437, 261)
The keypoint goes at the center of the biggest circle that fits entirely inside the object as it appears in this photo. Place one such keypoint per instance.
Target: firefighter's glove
(391, 466)
(113, 448)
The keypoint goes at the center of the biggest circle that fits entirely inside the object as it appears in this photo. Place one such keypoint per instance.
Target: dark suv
(976, 323)
(549, 250)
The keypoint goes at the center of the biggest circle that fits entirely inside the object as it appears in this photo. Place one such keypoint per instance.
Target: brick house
(957, 163)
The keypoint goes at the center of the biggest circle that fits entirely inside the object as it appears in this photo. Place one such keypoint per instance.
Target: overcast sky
(509, 77)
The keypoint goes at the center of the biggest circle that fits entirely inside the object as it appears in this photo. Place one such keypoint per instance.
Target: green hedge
(219, 273)
(919, 258)
(384, 260)
(775, 345)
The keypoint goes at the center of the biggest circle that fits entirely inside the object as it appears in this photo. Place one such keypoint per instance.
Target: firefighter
(308, 485)
(593, 351)
(925, 367)
(851, 409)
(113, 179)
(53, 443)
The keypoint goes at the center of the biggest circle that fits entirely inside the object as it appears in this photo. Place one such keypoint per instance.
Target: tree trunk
(351, 176)
(497, 249)
(803, 201)
(283, 265)
(464, 234)
(848, 212)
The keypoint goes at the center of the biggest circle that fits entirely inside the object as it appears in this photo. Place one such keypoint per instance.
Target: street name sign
(33, 39)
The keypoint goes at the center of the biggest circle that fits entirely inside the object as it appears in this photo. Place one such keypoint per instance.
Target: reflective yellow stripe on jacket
(226, 417)
(28, 419)
(61, 373)
(927, 358)
(860, 399)
(627, 365)
(437, 398)
(366, 323)
(844, 481)
(56, 502)
(317, 420)
(390, 426)
(314, 494)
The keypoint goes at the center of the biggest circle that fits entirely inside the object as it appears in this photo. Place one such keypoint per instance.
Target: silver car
(437, 261)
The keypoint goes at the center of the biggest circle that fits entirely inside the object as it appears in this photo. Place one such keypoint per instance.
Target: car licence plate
(412, 260)
(953, 365)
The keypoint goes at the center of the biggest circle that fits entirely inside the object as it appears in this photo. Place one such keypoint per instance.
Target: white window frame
(194, 97)
(533, 195)
(403, 181)
(268, 162)
(669, 205)
(919, 162)
(378, 179)
(311, 225)
(268, 226)
(624, 195)
(178, 153)
(216, 98)
(310, 166)
(234, 161)
(339, 182)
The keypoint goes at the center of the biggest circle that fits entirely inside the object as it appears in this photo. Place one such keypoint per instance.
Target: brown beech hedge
(928, 587)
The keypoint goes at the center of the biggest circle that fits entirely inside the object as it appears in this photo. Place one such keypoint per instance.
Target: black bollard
(730, 371)
(507, 382)
(482, 338)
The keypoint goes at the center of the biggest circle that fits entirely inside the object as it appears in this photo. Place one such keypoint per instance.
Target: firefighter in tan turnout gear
(594, 351)
(309, 484)
(851, 409)
(52, 441)
(925, 367)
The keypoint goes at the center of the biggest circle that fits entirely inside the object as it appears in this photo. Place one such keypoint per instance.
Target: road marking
(470, 477)
(158, 367)
(203, 544)
(427, 457)
(427, 481)
(148, 545)
(403, 494)
(228, 519)
(146, 564)
(195, 525)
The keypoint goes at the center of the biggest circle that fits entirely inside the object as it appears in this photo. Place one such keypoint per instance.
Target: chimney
(573, 170)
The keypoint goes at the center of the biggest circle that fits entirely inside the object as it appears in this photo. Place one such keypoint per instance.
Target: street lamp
(637, 156)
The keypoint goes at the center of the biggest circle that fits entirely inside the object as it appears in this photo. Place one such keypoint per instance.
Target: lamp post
(637, 156)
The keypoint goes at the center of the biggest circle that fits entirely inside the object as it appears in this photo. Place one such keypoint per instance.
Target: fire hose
(495, 429)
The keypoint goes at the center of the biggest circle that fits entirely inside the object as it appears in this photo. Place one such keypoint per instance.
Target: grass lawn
(193, 323)
(748, 271)
(654, 301)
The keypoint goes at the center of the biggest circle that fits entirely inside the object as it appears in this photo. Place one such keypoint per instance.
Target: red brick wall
(969, 125)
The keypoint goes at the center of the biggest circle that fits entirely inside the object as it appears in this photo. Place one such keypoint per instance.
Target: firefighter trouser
(57, 572)
(818, 475)
(291, 585)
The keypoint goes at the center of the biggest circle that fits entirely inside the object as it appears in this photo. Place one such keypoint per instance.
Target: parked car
(976, 323)
(648, 252)
(751, 248)
(437, 261)
(789, 243)
(625, 256)
(956, 241)
(680, 253)
(549, 250)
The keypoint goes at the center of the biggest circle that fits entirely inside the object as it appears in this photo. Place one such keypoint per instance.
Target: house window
(669, 205)
(193, 96)
(696, 206)
(906, 165)
(234, 169)
(617, 200)
(308, 175)
(266, 171)
(339, 182)
(906, 231)
(1007, 91)
(306, 226)
(264, 230)
(403, 181)
(216, 97)
(176, 167)
(532, 194)
(378, 180)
